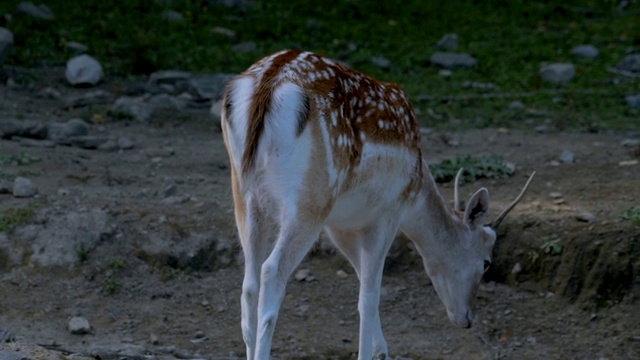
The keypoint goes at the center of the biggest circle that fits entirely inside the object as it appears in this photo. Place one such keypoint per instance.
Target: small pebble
(302, 275)
(586, 216)
(630, 142)
(628, 162)
(555, 195)
(23, 188)
(79, 325)
(517, 268)
(567, 157)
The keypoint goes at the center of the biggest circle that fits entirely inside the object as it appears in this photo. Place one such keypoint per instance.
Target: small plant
(632, 214)
(116, 263)
(15, 217)
(22, 159)
(82, 253)
(551, 245)
(489, 167)
(110, 285)
(533, 256)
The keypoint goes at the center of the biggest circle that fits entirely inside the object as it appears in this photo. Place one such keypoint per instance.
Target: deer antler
(494, 224)
(456, 193)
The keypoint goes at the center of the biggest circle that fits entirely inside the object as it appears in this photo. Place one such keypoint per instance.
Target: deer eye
(487, 264)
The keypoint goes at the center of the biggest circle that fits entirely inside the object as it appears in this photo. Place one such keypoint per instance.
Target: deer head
(456, 267)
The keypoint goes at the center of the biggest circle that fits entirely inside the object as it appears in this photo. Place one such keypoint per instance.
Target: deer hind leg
(366, 251)
(296, 238)
(254, 234)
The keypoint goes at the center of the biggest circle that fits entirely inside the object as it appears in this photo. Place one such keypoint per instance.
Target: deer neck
(430, 223)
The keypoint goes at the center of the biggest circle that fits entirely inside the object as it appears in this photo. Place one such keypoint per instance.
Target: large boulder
(83, 70)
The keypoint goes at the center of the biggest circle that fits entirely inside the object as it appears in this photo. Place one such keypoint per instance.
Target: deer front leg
(294, 242)
(372, 255)
(366, 251)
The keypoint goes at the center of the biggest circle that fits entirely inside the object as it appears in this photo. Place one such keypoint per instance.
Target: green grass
(13, 218)
(21, 159)
(474, 168)
(632, 214)
(510, 38)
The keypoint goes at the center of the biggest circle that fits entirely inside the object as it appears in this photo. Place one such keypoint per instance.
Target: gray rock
(453, 60)
(134, 108)
(543, 128)
(630, 63)
(172, 77)
(558, 73)
(586, 216)
(76, 47)
(630, 142)
(58, 241)
(516, 105)
(173, 16)
(50, 93)
(35, 143)
(219, 30)
(79, 325)
(478, 85)
(381, 62)
(165, 101)
(88, 142)
(90, 98)
(32, 130)
(125, 143)
(24, 188)
(83, 70)
(567, 157)
(448, 42)
(244, 47)
(73, 127)
(37, 11)
(209, 87)
(585, 51)
(109, 146)
(6, 44)
(633, 101)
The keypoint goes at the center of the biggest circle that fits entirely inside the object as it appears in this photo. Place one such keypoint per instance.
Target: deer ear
(477, 208)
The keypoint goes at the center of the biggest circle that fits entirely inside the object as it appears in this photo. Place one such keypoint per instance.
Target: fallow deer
(315, 145)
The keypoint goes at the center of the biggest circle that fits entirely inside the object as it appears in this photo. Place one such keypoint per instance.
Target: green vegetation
(510, 38)
(474, 168)
(116, 263)
(632, 214)
(110, 286)
(82, 253)
(12, 218)
(551, 245)
(22, 159)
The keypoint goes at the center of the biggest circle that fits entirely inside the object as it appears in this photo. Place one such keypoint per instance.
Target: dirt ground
(578, 301)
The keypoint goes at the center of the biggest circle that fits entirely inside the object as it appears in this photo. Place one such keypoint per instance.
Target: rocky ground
(131, 251)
